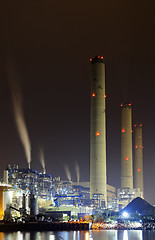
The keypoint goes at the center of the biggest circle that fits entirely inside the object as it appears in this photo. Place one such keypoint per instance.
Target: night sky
(50, 43)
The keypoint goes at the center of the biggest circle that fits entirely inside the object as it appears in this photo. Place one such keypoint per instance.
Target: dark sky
(50, 43)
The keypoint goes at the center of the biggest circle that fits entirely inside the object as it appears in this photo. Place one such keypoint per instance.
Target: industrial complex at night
(28, 192)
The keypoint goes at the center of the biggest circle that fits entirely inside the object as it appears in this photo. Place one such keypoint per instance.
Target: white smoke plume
(21, 125)
(42, 160)
(18, 113)
(77, 171)
(68, 174)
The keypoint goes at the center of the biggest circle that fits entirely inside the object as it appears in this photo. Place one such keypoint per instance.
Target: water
(81, 235)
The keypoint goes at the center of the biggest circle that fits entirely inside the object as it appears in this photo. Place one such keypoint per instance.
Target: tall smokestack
(126, 147)
(138, 166)
(98, 178)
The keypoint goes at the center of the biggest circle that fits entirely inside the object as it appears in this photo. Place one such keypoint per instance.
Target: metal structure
(98, 178)
(138, 163)
(39, 184)
(126, 147)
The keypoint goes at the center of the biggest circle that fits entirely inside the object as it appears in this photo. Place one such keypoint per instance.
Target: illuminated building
(30, 180)
(98, 186)
(138, 161)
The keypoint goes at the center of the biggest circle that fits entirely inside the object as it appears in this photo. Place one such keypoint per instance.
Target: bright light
(97, 133)
(125, 215)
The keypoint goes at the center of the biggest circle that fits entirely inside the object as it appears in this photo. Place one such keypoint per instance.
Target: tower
(98, 130)
(138, 163)
(126, 147)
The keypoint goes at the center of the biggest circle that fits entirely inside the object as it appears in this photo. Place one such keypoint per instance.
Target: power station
(138, 166)
(98, 179)
(23, 190)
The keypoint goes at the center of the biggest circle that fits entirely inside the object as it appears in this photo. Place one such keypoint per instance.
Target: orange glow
(90, 59)
(93, 95)
(132, 131)
(105, 95)
(129, 104)
(126, 158)
(102, 57)
(138, 169)
(140, 125)
(97, 133)
(123, 130)
(136, 146)
(98, 56)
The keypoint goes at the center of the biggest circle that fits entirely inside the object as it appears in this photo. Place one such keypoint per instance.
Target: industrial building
(30, 180)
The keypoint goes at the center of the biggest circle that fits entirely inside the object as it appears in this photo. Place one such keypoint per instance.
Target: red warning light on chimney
(138, 169)
(136, 146)
(123, 130)
(97, 133)
(101, 57)
(105, 95)
(126, 158)
(93, 95)
(98, 56)
(90, 59)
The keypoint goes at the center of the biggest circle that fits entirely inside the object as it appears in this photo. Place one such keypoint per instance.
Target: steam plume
(68, 174)
(42, 160)
(18, 114)
(77, 171)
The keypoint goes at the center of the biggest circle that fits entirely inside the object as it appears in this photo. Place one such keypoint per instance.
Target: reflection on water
(81, 235)
(125, 235)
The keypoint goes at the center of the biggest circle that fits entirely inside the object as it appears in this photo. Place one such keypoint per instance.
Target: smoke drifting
(77, 171)
(18, 113)
(20, 122)
(42, 160)
(68, 174)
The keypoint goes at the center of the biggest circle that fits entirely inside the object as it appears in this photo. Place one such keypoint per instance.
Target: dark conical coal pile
(139, 205)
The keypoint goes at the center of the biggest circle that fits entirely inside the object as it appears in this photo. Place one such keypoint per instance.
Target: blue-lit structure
(30, 180)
